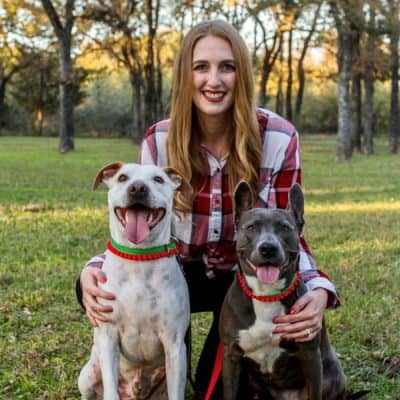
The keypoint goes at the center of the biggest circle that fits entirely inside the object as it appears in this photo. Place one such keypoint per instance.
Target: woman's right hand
(90, 276)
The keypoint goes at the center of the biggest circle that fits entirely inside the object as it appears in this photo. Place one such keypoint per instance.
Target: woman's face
(214, 75)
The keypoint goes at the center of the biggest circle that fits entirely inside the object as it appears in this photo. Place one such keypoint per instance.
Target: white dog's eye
(158, 179)
(122, 178)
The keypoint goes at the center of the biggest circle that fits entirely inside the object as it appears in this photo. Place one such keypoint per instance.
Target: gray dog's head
(268, 239)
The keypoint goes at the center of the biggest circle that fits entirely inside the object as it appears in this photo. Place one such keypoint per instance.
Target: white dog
(144, 339)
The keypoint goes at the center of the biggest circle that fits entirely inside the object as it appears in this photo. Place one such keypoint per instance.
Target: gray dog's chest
(257, 341)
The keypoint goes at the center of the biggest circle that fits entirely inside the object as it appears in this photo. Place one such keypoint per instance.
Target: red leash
(216, 371)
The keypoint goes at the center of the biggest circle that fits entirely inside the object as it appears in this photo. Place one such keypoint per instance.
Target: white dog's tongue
(137, 228)
(268, 274)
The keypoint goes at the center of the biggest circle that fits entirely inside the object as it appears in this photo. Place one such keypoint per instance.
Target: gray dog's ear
(106, 172)
(296, 205)
(243, 199)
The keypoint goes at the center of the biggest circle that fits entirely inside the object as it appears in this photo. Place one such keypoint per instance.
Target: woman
(214, 138)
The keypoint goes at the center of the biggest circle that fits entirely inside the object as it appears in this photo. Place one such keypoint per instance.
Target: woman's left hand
(305, 318)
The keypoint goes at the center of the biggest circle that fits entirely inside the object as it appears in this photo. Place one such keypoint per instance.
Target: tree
(63, 32)
(394, 36)
(271, 47)
(36, 89)
(346, 15)
(132, 38)
(301, 76)
(15, 53)
(369, 87)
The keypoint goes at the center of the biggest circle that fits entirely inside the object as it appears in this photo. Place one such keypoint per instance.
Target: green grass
(352, 225)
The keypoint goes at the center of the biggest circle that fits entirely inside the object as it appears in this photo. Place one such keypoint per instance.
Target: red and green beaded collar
(152, 253)
(269, 299)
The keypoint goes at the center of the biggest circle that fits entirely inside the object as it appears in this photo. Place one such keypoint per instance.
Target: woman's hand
(305, 319)
(90, 276)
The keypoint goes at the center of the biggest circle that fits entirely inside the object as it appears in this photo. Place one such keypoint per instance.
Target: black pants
(207, 295)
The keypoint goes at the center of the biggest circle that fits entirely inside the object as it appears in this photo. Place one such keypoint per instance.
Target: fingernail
(275, 320)
(284, 337)
(293, 311)
(103, 279)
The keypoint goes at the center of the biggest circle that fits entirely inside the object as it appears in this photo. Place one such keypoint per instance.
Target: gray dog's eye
(158, 179)
(250, 228)
(285, 227)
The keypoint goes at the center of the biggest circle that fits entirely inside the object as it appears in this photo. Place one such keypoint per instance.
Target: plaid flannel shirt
(207, 233)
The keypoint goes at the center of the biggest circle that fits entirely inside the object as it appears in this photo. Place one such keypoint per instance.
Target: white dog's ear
(174, 176)
(105, 173)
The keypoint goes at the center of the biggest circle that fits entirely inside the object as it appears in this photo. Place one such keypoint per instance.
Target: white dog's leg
(106, 342)
(175, 360)
(89, 378)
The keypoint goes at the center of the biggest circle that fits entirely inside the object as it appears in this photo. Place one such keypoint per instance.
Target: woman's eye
(200, 67)
(122, 178)
(158, 179)
(250, 228)
(228, 67)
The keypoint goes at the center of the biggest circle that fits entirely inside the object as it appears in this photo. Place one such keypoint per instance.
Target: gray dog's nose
(139, 188)
(267, 249)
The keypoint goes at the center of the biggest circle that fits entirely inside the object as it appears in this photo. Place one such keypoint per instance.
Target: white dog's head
(140, 200)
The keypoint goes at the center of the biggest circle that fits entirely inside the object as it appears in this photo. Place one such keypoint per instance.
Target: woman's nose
(214, 77)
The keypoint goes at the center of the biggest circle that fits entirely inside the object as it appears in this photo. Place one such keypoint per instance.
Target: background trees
(129, 48)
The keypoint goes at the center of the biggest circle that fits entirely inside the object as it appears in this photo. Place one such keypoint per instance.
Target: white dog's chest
(257, 341)
(151, 304)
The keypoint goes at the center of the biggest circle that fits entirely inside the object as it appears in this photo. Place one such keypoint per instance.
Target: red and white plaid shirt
(207, 233)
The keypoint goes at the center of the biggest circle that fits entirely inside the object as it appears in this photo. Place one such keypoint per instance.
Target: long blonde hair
(183, 149)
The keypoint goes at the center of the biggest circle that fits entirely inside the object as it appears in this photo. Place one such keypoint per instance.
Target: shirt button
(216, 231)
(218, 170)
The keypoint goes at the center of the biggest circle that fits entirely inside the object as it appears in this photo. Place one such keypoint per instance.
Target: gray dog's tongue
(137, 228)
(268, 274)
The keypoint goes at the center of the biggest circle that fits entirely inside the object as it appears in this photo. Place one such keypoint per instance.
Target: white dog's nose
(139, 188)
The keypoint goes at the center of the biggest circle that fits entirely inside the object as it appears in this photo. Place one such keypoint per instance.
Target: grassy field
(352, 225)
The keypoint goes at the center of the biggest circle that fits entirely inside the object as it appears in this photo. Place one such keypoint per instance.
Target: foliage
(352, 213)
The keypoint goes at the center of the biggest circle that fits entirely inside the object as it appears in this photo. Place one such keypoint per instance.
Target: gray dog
(267, 285)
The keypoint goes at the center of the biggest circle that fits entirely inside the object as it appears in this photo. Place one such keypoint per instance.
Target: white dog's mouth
(138, 221)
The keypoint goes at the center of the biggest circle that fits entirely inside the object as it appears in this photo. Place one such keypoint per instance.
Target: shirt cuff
(323, 283)
(96, 261)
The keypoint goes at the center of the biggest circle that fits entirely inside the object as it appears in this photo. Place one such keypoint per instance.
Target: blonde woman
(214, 138)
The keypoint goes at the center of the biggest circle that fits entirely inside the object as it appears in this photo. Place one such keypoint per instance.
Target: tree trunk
(159, 87)
(149, 75)
(394, 95)
(66, 87)
(137, 125)
(66, 98)
(356, 96)
(279, 106)
(268, 62)
(369, 82)
(301, 73)
(289, 108)
(344, 149)
(3, 104)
